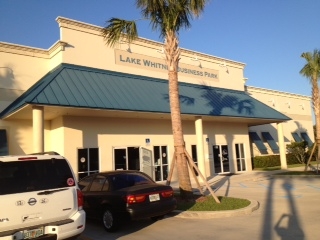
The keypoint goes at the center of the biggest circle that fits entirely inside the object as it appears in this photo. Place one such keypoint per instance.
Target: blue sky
(267, 35)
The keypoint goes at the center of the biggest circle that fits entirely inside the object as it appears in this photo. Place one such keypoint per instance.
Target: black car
(115, 196)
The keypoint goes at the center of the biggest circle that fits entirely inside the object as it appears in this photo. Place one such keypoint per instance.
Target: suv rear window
(27, 176)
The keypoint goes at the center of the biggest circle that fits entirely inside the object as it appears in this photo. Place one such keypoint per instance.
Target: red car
(115, 196)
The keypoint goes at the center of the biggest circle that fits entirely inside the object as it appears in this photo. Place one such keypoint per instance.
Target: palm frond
(197, 7)
(118, 29)
(170, 15)
(311, 69)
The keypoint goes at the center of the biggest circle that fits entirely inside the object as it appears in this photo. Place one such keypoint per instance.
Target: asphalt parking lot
(288, 209)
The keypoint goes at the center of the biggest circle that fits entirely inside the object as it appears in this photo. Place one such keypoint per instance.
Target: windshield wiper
(47, 192)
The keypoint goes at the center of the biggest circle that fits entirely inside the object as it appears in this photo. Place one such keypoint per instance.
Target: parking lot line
(318, 188)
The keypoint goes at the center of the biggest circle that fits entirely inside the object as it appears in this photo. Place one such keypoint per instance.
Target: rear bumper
(55, 230)
(152, 210)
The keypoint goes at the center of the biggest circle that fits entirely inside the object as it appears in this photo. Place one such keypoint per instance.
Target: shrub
(266, 161)
(272, 161)
(298, 150)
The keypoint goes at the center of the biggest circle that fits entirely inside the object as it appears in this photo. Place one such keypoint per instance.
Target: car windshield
(27, 176)
(125, 180)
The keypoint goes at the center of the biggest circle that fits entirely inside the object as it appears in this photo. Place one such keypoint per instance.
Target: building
(107, 108)
(300, 128)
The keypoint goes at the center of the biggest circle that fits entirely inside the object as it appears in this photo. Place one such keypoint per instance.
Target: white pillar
(200, 147)
(282, 148)
(38, 129)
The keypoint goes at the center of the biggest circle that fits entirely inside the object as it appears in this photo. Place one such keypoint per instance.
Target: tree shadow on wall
(219, 101)
(7, 77)
(184, 100)
(9, 91)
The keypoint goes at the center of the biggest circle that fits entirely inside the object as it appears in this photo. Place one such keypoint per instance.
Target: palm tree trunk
(172, 52)
(318, 132)
(181, 160)
(309, 159)
(316, 107)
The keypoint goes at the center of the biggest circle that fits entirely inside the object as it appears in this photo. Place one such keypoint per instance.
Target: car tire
(109, 220)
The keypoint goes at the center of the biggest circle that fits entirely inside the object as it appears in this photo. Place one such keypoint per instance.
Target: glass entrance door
(127, 158)
(221, 158)
(88, 161)
(120, 158)
(160, 163)
(240, 156)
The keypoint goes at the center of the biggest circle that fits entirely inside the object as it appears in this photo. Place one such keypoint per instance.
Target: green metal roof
(83, 87)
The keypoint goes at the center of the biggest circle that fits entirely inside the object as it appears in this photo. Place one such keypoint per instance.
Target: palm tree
(312, 71)
(167, 17)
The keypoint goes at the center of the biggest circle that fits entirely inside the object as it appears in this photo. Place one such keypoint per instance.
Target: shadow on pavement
(97, 231)
(289, 225)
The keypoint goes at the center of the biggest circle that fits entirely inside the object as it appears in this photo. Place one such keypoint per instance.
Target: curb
(254, 205)
(295, 176)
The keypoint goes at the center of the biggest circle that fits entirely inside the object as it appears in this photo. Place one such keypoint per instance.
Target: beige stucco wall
(57, 136)
(22, 66)
(226, 134)
(19, 70)
(19, 135)
(110, 133)
(86, 47)
(23, 69)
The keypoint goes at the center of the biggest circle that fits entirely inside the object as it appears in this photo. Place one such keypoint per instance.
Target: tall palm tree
(167, 17)
(311, 70)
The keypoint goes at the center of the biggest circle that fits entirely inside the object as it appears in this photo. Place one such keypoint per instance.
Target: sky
(268, 36)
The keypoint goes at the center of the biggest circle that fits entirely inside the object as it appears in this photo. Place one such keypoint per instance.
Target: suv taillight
(27, 158)
(80, 199)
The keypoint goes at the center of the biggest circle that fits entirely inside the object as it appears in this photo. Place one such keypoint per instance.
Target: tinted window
(27, 176)
(120, 181)
(98, 183)
(3, 143)
(84, 183)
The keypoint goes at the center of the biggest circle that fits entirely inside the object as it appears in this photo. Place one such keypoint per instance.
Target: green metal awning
(296, 137)
(89, 88)
(254, 137)
(306, 138)
(272, 143)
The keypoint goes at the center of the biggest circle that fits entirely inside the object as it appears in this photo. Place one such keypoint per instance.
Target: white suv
(39, 198)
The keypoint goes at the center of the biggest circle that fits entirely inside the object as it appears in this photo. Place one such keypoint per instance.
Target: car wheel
(109, 220)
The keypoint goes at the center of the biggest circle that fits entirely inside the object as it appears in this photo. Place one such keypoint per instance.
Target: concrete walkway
(217, 181)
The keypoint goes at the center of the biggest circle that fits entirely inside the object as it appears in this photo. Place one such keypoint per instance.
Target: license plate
(154, 197)
(33, 233)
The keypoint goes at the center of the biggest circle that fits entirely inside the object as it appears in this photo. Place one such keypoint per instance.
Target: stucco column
(200, 147)
(38, 129)
(282, 148)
